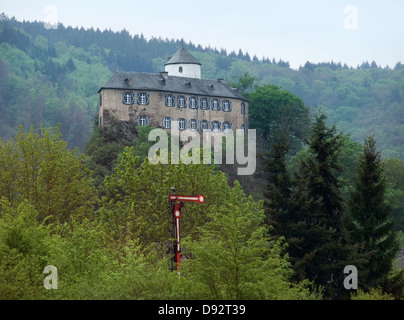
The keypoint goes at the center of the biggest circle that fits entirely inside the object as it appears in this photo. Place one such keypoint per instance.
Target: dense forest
(328, 191)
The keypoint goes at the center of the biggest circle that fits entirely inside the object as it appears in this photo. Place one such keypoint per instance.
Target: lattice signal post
(175, 209)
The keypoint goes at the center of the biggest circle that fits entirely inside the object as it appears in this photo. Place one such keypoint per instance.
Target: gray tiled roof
(182, 56)
(155, 82)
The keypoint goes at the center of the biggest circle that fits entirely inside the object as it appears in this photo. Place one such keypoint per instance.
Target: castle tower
(183, 64)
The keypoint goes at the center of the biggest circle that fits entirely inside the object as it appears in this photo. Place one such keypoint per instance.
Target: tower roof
(182, 56)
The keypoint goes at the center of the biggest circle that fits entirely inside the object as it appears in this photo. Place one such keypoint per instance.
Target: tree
(234, 259)
(41, 170)
(394, 171)
(245, 83)
(277, 192)
(320, 250)
(371, 223)
(273, 110)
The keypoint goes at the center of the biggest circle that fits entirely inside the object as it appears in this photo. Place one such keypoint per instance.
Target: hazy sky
(296, 31)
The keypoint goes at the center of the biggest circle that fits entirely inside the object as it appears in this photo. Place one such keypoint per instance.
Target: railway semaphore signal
(176, 212)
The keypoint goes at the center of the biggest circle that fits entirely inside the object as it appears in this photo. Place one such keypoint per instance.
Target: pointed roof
(182, 56)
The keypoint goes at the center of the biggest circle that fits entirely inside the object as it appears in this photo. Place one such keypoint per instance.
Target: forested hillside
(318, 202)
(50, 76)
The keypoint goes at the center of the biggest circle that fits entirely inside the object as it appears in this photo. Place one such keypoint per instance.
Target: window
(244, 128)
(181, 124)
(142, 121)
(127, 98)
(181, 102)
(226, 126)
(226, 105)
(204, 125)
(166, 123)
(242, 108)
(169, 100)
(180, 70)
(142, 98)
(215, 105)
(192, 103)
(215, 126)
(192, 124)
(204, 104)
(100, 100)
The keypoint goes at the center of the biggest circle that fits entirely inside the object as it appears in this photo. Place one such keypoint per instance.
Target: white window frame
(215, 126)
(142, 121)
(142, 98)
(192, 124)
(226, 105)
(204, 104)
(181, 124)
(226, 127)
(192, 103)
(181, 102)
(127, 98)
(166, 123)
(215, 105)
(170, 100)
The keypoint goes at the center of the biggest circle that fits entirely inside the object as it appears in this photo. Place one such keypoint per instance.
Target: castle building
(177, 94)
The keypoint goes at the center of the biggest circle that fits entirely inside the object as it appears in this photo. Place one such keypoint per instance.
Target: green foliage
(39, 169)
(136, 198)
(234, 259)
(273, 110)
(105, 145)
(370, 218)
(22, 252)
(373, 294)
(118, 249)
(394, 171)
(317, 245)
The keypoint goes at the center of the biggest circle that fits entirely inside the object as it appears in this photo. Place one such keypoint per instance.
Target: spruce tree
(278, 188)
(371, 223)
(320, 252)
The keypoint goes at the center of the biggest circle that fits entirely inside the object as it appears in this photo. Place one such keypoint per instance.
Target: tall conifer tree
(278, 188)
(371, 223)
(321, 253)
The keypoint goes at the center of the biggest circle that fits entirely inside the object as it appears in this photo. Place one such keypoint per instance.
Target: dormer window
(211, 87)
